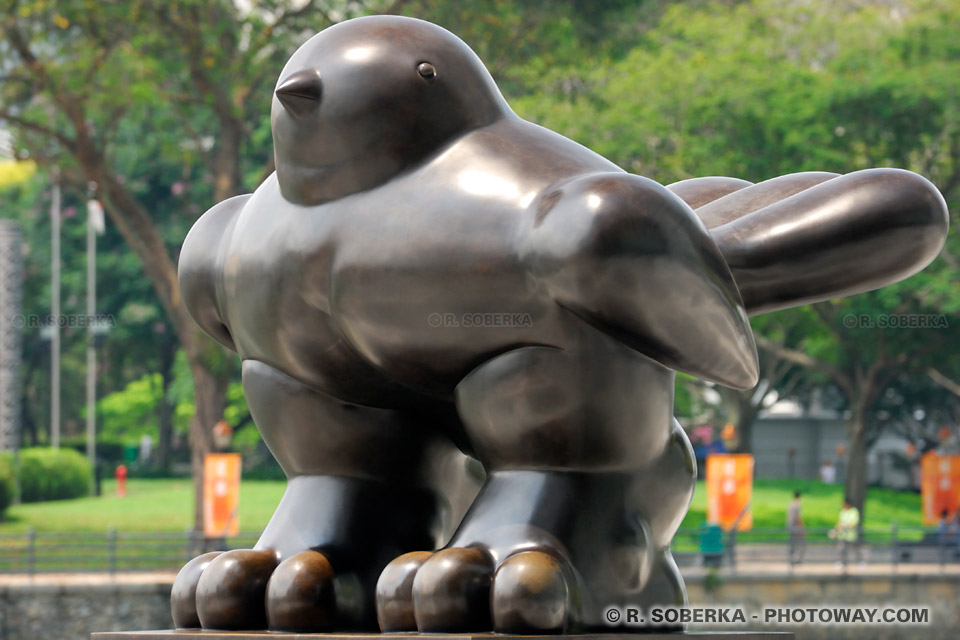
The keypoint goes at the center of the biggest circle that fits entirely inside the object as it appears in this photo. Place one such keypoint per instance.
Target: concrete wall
(813, 439)
(72, 612)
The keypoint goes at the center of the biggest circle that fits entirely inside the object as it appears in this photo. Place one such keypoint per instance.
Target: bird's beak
(300, 92)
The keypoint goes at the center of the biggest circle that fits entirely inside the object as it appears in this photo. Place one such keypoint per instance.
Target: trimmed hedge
(8, 481)
(53, 474)
(109, 452)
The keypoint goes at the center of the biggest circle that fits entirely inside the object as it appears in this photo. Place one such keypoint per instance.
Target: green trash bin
(711, 545)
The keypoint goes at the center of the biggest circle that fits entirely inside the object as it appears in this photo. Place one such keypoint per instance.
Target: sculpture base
(194, 634)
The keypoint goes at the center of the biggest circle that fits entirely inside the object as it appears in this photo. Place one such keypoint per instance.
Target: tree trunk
(206, 358)
(28, 429)
(226, 167)
(28, 434)
(744, 425)
(139, 230)
(210, 400)
(742, 412)
(165, 408)
(855, 489)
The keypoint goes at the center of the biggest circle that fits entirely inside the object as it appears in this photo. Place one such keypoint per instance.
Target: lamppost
(55, 314)
(95, 227)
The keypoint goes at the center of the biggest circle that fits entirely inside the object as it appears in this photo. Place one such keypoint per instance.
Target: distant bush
(53, 474)
(109, 452)
(8, 482)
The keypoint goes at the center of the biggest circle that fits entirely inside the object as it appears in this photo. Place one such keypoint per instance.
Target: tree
(756, 90)
(862, 352)
(748, 89)
(779, 379)
(97, 93)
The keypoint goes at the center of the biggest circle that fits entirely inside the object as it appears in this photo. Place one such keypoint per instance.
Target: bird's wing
(813, 236)
(199, 270)
(632, 259)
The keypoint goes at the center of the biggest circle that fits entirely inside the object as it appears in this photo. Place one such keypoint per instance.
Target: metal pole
(91, 337)
(11, 323)
(31, 551)
(55, 313)
(895, 544)
(112, 549)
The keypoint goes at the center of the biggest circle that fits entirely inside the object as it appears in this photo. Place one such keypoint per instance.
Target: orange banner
(939, 486)
(221, 494)
(729, 490)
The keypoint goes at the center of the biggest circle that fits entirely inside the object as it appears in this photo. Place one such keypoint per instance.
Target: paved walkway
(83, 579)
(828, 569)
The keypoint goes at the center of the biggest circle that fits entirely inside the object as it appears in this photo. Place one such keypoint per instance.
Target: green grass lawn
(167, 506)
(821, 505)
(149, 506)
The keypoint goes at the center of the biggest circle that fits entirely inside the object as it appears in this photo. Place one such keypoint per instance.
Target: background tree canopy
(165, 107)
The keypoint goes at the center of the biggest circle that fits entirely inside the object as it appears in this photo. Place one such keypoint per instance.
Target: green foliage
(129, 414)
(760, 89)
(109, 452)
(246, 440)
(53, 474)
(712, 580)
(669, 90)
(236, 411)
(8, 481)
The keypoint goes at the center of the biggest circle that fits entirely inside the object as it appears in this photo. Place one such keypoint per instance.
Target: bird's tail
(813, 236)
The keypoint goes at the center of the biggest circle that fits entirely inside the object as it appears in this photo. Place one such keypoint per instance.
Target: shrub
(109, 452)
(8, 481)
(53, 474)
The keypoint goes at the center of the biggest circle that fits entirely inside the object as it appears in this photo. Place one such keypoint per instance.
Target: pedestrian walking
(796, 530)
(847, 532)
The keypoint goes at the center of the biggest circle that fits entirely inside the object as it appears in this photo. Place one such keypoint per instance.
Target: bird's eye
(427, 71)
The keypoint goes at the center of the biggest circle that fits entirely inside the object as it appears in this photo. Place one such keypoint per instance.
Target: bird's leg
(354, 500)
(588, 478)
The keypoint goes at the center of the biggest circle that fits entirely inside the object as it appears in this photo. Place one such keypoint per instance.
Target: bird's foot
(539, 552)
(246, 589)
(313, 569)
(462, 589)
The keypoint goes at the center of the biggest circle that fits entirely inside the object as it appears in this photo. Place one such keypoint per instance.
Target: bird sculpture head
(368, 99)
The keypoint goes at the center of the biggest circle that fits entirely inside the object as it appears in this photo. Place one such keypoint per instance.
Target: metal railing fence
(893, 546)
(33, 552)
(115, 551)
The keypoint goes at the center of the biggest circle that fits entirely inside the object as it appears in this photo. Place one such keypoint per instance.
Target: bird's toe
(231, 590)
(395, 610)
(300, 594)
(451, 591)
(531, 595)
(183, 595)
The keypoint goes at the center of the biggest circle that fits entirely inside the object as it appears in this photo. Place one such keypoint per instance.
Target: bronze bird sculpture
(429, 285)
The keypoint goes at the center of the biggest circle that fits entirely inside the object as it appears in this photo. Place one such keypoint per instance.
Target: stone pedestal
(193, 634)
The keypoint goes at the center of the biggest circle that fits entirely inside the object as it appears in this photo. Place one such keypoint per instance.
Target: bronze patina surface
(429, 286)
